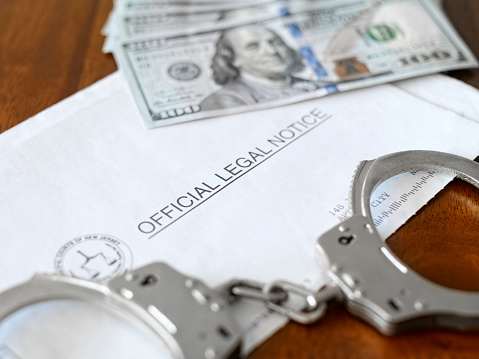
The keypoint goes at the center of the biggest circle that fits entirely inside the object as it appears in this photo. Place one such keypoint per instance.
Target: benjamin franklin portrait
(254, 65)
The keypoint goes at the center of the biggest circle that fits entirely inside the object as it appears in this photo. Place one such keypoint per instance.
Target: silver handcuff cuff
(195, 321)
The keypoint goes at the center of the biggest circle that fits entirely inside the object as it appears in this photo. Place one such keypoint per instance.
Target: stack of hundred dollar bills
(190, 60)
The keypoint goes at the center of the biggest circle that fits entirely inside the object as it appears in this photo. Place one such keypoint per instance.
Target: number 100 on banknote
(254, 63)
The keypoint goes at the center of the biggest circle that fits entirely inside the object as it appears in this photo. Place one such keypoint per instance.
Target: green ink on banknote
(382, 33)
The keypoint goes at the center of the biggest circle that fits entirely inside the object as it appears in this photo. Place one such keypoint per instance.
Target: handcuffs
(194, 321)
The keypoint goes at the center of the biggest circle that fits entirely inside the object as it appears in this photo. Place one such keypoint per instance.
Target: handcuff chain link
(279, 296)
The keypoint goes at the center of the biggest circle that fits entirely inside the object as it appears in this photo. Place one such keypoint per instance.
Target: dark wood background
(50, 49)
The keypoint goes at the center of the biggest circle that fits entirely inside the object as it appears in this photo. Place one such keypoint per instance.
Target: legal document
(87, 191)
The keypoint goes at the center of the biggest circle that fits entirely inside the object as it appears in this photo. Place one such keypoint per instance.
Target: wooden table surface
(50, 49)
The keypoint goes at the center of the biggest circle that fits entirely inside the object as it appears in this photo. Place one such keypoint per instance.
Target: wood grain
(464, 14)
(440, 243)
(50, 49)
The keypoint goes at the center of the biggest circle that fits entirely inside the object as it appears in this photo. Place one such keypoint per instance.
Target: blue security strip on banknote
(258, 57)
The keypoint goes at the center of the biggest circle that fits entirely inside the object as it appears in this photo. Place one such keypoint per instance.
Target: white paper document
(87, 191)
(445, 92)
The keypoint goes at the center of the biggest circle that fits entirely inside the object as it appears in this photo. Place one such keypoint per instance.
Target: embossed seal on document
(97, 257)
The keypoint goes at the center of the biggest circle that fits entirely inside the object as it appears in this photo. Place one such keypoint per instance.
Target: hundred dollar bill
(131, 6)
(145, 23)
(286, 59)
(135, 24)
(131, 18)
(128, 6)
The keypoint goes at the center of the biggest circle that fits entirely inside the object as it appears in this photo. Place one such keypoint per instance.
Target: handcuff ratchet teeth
(375, 284)
(196, 321)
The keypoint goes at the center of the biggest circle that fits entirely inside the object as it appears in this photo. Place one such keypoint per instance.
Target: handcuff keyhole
(224, 332)
(394, 305)
(346, 240)
(149, 280)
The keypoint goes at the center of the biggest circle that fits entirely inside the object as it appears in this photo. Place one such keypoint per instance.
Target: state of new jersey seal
(97, 257)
